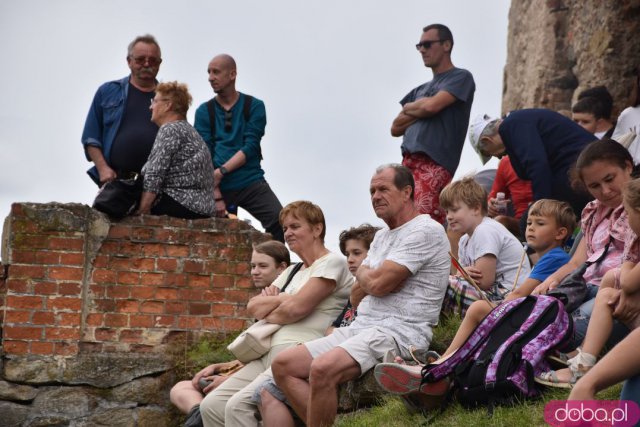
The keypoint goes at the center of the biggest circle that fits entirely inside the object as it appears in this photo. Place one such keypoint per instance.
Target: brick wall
(77, 283)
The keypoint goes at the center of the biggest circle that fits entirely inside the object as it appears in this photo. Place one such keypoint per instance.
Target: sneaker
(404, 379)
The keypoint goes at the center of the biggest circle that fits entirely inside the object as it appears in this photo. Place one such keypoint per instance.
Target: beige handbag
(255, 342)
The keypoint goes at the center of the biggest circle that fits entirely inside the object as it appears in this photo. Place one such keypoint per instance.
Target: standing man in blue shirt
(232, 124)
(118, 133)
(434, 119)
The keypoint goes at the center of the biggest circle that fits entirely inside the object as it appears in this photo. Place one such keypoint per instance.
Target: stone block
(71, 402)
(360, 393)
(13, 414)
(116, 417)
(16, 392)
(153, 417)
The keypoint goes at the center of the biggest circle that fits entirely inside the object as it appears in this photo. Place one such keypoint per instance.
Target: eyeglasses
(427, 44)
(155, 101)
(141, 60)
(228, 116)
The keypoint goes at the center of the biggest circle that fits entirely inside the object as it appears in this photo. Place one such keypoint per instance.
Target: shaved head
(225, 61)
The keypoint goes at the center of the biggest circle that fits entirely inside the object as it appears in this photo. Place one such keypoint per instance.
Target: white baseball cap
(478, 124)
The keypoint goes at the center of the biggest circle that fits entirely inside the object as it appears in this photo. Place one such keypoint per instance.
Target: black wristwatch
(223, 170)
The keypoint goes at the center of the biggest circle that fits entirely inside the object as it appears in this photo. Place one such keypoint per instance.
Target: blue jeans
(631, 391)
(581, 317)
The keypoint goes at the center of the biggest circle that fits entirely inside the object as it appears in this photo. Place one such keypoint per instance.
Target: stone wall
(93, 311)
(557, 48)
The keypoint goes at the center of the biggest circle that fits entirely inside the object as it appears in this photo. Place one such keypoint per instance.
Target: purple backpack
(499, 360)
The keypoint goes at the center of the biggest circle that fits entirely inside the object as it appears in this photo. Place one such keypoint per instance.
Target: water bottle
(500, 204)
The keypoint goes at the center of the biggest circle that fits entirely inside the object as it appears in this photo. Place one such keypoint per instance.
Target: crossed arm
(387, 278)
(420, 109)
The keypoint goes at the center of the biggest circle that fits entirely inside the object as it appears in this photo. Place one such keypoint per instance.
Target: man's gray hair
(146, 38)
(490, 129)
(402, 176)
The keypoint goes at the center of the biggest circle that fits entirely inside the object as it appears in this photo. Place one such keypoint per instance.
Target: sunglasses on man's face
(427, 44)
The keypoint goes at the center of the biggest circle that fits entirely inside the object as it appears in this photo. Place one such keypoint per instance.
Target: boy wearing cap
(542, 145)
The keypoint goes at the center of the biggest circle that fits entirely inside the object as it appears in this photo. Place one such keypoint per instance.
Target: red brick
(222, 281)
(142, 348)
(22, 332)
(120, 263)
(139, 233)
(217, 267)
(95, 319)
(115, 319)
(65, 303)
(189, 322)
(244, 283)
(200, 251)
(23, 257)
(43, 318)
(140, 321)
(175, 308)
(193, 266)
(143, 264)
(96, 291)
(199, 309)
(142, 292)
(105, 305)
(71, 259)
(242, 269)
(214, 295)
(12, 316)
(119, 231)
(103, 275)
(41, 348)
(18, 286)
(178, 251)
(153, 249)
(191, 294)
(152, 307)
(118, 291)
(188, 235)
(65, 273)
(45, 288)
(212, 323)
(165, 235)
(241, 311)
(15, 301)
(48, 257)
(26, 271)
(151, 278)
(166, 264)
(127, 306)
(233, 324)
(152, 220)
(127, 278)
(131, 249)
(166, 294)
(72, 244)
(66, 348)
(199, 281)
(69, 288)
(68, 319)
(105, 334)
(222, 309)
(90, 347)
(110, 247)
(15, 347)
(31, 242)
(101, 261)
(24, 227)
(131, 335)
(237, 296)
(175, 279)
(62, 333)
(164, 321)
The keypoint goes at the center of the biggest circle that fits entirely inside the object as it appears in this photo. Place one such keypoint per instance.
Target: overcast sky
(331, 74)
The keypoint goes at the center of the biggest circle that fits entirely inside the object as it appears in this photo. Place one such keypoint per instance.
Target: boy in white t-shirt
(490, 254)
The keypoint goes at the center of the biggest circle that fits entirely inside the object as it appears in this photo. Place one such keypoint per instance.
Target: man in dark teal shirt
(234, 141)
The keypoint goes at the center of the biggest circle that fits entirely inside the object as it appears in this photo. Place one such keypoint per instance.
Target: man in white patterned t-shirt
(405, 277)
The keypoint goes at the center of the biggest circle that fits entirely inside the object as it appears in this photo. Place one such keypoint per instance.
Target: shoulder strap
(246, 112)
(293, 272)
(212, 123)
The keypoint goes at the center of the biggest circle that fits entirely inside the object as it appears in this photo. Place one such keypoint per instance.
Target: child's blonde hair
(466, 190)
(561, 212)
(631, 193)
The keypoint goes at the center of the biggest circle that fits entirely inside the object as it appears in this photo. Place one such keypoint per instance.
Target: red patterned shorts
(430, 179)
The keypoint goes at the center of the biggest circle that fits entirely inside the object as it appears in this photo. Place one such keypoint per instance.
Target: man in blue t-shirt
(234, 141)
(434, 119)
(118, 133)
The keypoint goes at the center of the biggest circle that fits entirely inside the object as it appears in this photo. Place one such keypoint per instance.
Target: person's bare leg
(274, 412)
(184, 396)
(472, 318)
(290, 370)
(619, 364)
(327, 372)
